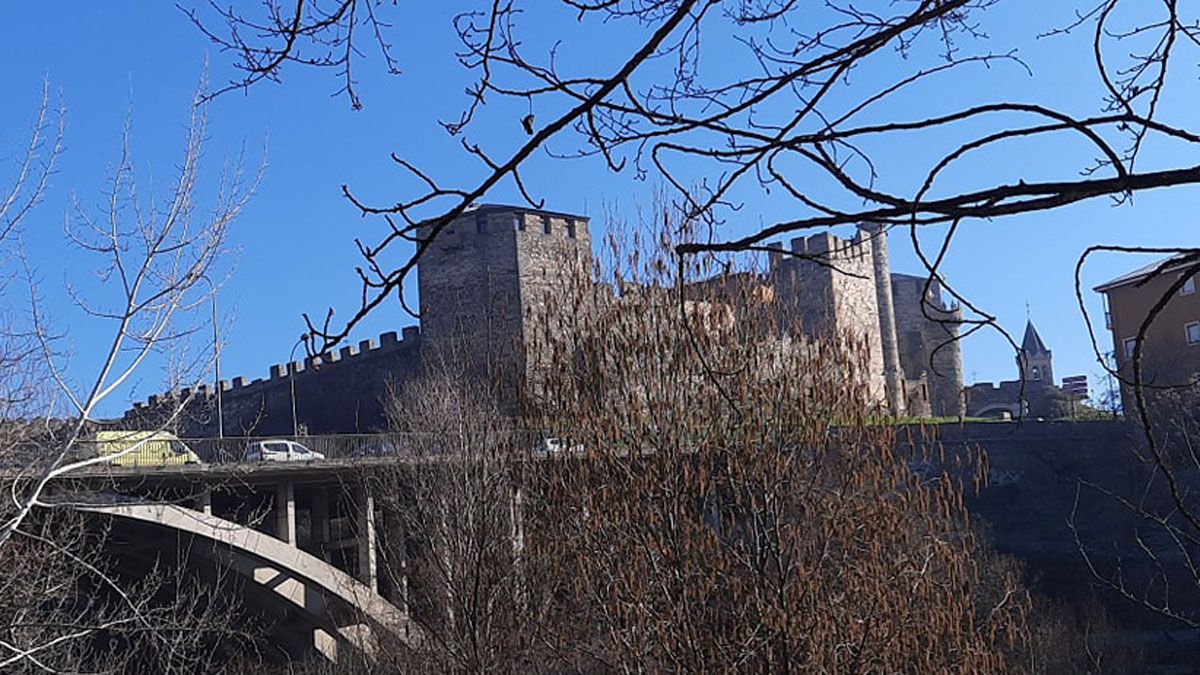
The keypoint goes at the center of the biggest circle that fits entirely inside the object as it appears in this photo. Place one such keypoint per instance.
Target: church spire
(1032, 343)
(1034, 362)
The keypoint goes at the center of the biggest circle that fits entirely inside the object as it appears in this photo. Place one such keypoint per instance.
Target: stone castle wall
(337, 392)
(487, 284)
(828, 285)
(930, 352)
(496, 284)
(1042, 477)
(884, 298)
(483, 283)
(469, 290)
(1036, 399)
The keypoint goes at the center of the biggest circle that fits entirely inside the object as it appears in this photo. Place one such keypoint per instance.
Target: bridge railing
(237, 450)
(348, 446)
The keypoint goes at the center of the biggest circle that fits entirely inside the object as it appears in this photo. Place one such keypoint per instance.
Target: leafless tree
(734, 507)
(786, 110)
(67, 606)
(451, 535)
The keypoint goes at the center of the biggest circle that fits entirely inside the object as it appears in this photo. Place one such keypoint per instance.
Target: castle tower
(887, 316)
(828, 286)
(1034, 362)
(484, 279)
(927, 331)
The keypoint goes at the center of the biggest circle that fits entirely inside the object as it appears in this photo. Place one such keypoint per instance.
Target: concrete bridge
(302, 537)
(307, 535)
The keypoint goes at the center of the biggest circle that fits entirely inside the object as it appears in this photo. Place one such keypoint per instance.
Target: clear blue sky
(294, 244)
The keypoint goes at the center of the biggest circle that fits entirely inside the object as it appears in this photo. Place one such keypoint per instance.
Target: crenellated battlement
(1008, 387)
(389, 343)
(821, 248)
(1004, 386)
(486, 223)
(491, 272)
(477, 282)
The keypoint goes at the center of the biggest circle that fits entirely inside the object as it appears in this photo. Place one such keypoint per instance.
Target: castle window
(519, 222)
(1189, 287)
(1193, 332)
(1037, 373)
(480, 222)
(545, 224)
(571, 229)
(1129, 344)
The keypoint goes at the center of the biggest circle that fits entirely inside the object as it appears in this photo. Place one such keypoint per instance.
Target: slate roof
(1138, 274)
(1032, 343)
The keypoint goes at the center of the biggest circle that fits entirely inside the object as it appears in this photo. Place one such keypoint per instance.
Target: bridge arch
(333, 603)
(997, 409)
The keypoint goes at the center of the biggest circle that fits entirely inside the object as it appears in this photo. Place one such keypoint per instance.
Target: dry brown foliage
(725, 501)
(737, 507)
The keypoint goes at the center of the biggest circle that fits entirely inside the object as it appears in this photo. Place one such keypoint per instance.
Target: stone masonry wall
(487, 279)
(831, 291)
(481, 282)
(1045, 477)
(469, 291)
(922, 339)
(1036, 399)
(881, 271)
(497, 283)
(554, 259)
(338, 392)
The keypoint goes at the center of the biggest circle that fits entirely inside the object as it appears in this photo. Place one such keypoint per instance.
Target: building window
(571, 229)
(519, 222)
(545, 224)
(1189, 286)
(1037, 373)
(1193, 332)
(1130, 344)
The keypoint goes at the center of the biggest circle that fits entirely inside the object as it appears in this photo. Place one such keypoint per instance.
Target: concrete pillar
(285, 512)
(320, 522)
(368, 572)
(204, 502)
(892, 374)
(517, 521)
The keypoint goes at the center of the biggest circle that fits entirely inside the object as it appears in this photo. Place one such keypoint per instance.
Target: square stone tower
(828, 286)
(484, 281)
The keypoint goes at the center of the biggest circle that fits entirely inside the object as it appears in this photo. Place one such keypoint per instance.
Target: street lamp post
(212, 294)
(292, 381)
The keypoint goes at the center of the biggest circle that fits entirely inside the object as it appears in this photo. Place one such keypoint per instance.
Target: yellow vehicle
(144, 448)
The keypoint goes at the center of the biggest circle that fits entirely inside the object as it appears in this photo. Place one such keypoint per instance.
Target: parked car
(280, 450)
(143, 448)
(557, 446)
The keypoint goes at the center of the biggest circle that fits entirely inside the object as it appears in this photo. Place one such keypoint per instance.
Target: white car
(280, 450)
(557, 446)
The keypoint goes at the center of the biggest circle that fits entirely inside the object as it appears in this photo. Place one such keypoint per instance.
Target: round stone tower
(893, 378)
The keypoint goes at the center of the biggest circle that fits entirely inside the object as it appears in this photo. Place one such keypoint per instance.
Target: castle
(846, 287)
(495, 267)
